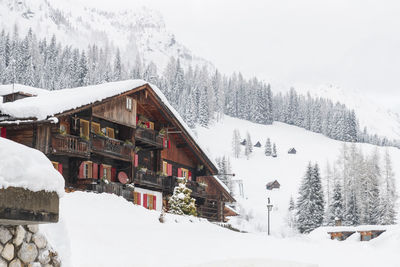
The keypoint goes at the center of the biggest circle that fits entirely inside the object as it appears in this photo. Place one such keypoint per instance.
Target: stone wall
(22, 246)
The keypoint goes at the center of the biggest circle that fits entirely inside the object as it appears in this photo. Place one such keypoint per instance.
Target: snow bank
(106, 230)
(21, 166)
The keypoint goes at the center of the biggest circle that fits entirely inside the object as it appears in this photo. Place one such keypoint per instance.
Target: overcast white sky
(351, 43)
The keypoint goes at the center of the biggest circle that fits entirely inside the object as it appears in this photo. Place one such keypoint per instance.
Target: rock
(44, 256)
(28, 237)
(5, 235)
(8, 252)
(28, 252)
(15, 263)
(34, 264)
(19, 235)
(39, 240)
(3, 263)
(34, 228)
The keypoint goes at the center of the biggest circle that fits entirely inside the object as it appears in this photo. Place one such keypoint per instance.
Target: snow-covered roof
(21, 166)
(49, 103)
(9, 88)
(55, 102)
(222, 184)
(360, 228)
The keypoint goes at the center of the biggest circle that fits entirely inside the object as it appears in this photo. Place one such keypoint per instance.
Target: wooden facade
(131, 138)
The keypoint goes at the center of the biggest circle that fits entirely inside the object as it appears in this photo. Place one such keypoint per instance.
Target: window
(129, 103)
(55, 165)
(105, 172)
(110, 132)
(58, 166)
(95, 128)
(165, 168)
(86, 170)
(84, 128)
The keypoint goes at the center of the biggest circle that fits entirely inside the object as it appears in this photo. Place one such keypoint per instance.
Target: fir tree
(236, 143)
(181, 202)
(336, 206)
(249, 146)
(268, 150)
(274, 153)
(310, 204)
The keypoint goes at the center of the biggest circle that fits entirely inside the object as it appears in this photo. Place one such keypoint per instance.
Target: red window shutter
(101, 171)
(163, 142)
(139, 198)
(145, 200)
(154, 202)
(190, 175)
(95, 170)
(136, 160)
(113, 174)
(179, 172)
(60, 169)
(137, 119)
(81, 168)
(169, 169)
(3, 132)
(148, 125)
(169, 144)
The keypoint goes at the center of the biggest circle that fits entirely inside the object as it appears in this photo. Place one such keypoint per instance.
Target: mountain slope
(288, 169)
(135, 32)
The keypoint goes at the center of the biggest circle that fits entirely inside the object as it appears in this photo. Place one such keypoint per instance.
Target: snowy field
(106, 230)
(288, 169)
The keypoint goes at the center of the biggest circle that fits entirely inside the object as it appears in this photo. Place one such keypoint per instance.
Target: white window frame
(129, 103)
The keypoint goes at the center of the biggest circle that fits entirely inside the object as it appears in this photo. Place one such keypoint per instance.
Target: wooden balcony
(111, 147)
(149, 178)
(98, 186)
(210, 210)
(148, 139)
(68, 144)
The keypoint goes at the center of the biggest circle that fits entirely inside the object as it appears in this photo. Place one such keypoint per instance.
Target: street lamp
(269, 207)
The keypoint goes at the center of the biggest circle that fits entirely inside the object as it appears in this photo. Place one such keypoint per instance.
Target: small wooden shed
(340, 235)
(292, 151)
(258, 144)
(244, 142)
(273, 185)
(371, 234)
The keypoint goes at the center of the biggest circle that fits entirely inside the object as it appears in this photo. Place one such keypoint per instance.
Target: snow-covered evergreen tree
(249, 146)
(274, 152)
(336, 206)
(268, 149)
(181, 202)
(310, 204)
(236, 143)
(389, 196)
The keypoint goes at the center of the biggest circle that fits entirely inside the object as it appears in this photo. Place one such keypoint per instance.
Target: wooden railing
(111, 146)
(149, 178)
(149, 137)
(197, 189)
(209, 211)
(70, 144)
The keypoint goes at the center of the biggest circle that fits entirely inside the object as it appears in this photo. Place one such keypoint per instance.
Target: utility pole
(269, 207)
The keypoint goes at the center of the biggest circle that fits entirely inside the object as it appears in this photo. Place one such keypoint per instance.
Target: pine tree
(336, 206)
(236, 143)
(181, 202)
(389, 196)
(274, 153)
(310, 204)
(249, 146)
(268, 150)
(291, 217)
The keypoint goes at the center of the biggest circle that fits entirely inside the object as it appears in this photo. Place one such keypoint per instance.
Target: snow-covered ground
(288, 169)
(106, 230)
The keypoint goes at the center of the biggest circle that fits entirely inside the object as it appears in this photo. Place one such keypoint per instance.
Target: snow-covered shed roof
(10, 88)
(49, 103)
(21, 166)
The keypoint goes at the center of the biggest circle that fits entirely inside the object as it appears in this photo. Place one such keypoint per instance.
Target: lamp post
(269, 207)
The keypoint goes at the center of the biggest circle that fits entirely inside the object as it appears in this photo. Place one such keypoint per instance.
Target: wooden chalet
(273, 185)
(258, 144)
(122, 138)
(292, 151)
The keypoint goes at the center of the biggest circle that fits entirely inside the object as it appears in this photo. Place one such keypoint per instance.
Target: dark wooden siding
(115, 111)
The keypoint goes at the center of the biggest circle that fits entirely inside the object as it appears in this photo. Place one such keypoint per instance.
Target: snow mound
(21, 166)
